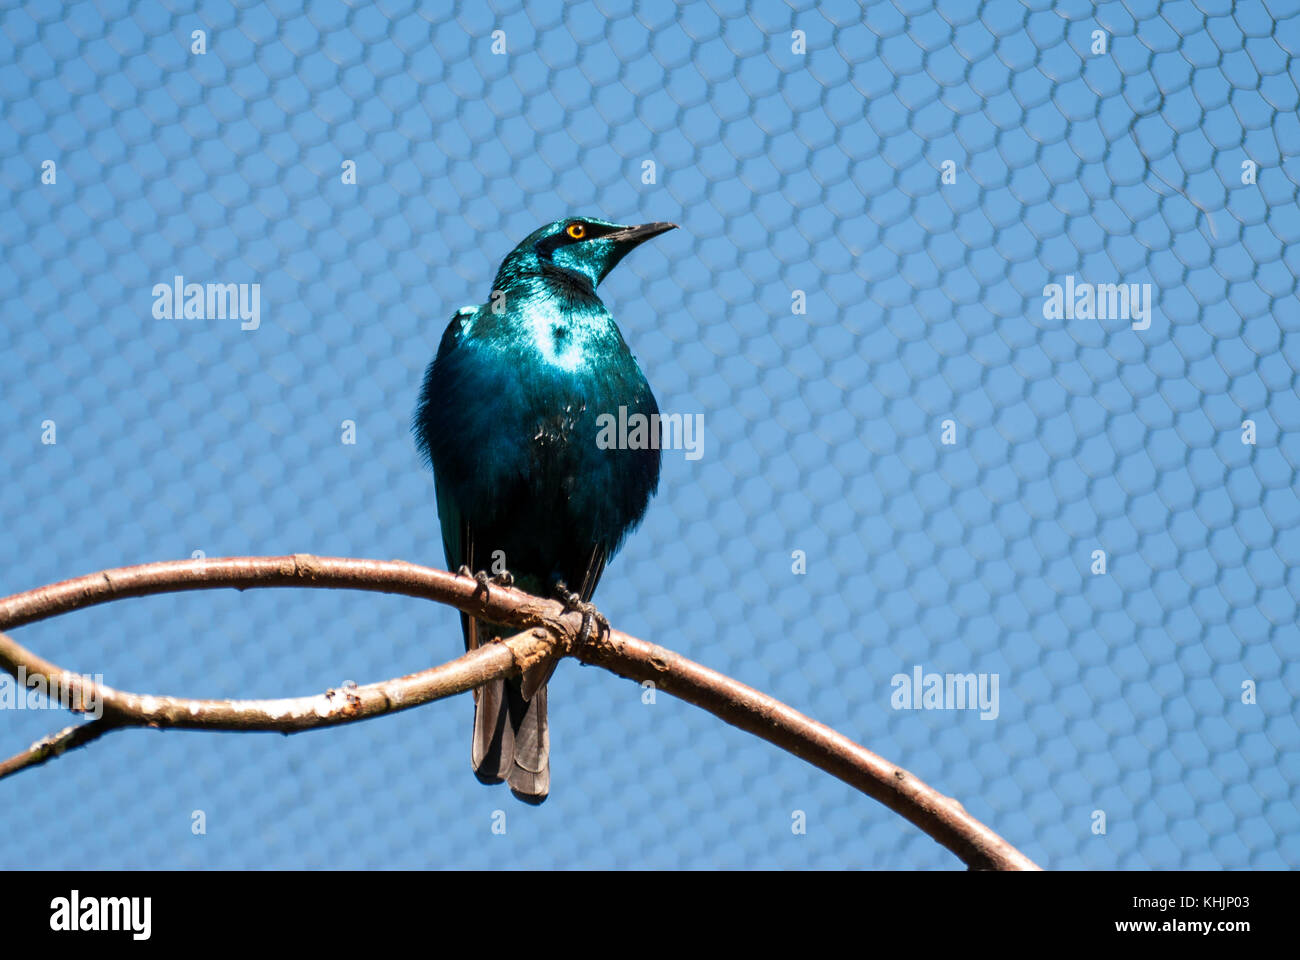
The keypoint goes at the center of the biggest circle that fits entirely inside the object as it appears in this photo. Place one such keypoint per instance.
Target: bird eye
(576, 230)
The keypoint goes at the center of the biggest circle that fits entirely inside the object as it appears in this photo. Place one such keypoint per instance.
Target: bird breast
(569, 339)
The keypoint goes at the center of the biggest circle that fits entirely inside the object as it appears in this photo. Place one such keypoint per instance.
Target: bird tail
(512, 741)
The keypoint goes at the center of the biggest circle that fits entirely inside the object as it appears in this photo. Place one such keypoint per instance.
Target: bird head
(581, 249)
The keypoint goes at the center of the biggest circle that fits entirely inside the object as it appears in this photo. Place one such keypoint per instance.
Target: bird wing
(458, 548)
(457, 538)
(459, 321)
(595, 569)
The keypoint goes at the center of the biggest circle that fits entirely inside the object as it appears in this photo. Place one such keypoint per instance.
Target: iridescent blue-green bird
(507, 418)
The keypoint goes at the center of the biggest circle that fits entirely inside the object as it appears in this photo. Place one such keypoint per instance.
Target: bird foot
(485, 580)
(591, 617)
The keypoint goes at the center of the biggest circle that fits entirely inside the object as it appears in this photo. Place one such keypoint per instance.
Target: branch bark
(546, 629)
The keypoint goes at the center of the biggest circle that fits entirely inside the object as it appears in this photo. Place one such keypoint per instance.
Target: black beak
(625, 240)
(632, 236)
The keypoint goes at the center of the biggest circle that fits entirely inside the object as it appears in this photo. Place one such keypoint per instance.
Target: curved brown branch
(47, 748)
(288, 715)
(942, 817)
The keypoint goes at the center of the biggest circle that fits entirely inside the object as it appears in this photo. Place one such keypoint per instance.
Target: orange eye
(576, 230)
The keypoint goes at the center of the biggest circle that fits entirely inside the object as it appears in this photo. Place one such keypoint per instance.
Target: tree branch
(546, 629)
(290, 715)
(55, 744)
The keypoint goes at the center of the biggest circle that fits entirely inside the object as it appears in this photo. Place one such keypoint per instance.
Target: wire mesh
(922, 173)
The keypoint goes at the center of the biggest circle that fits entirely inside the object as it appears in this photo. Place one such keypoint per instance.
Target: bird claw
(591, 617)
(486, 580)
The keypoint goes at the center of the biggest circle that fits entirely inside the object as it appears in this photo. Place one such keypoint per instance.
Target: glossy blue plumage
(507, 418)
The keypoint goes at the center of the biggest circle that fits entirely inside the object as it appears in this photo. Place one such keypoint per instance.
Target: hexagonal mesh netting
(922, 175)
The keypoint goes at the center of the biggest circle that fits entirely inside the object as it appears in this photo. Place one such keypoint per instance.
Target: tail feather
(530, 776)
(492, 749)
(512, 741)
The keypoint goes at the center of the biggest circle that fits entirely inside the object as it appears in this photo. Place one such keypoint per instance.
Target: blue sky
(819, 171)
